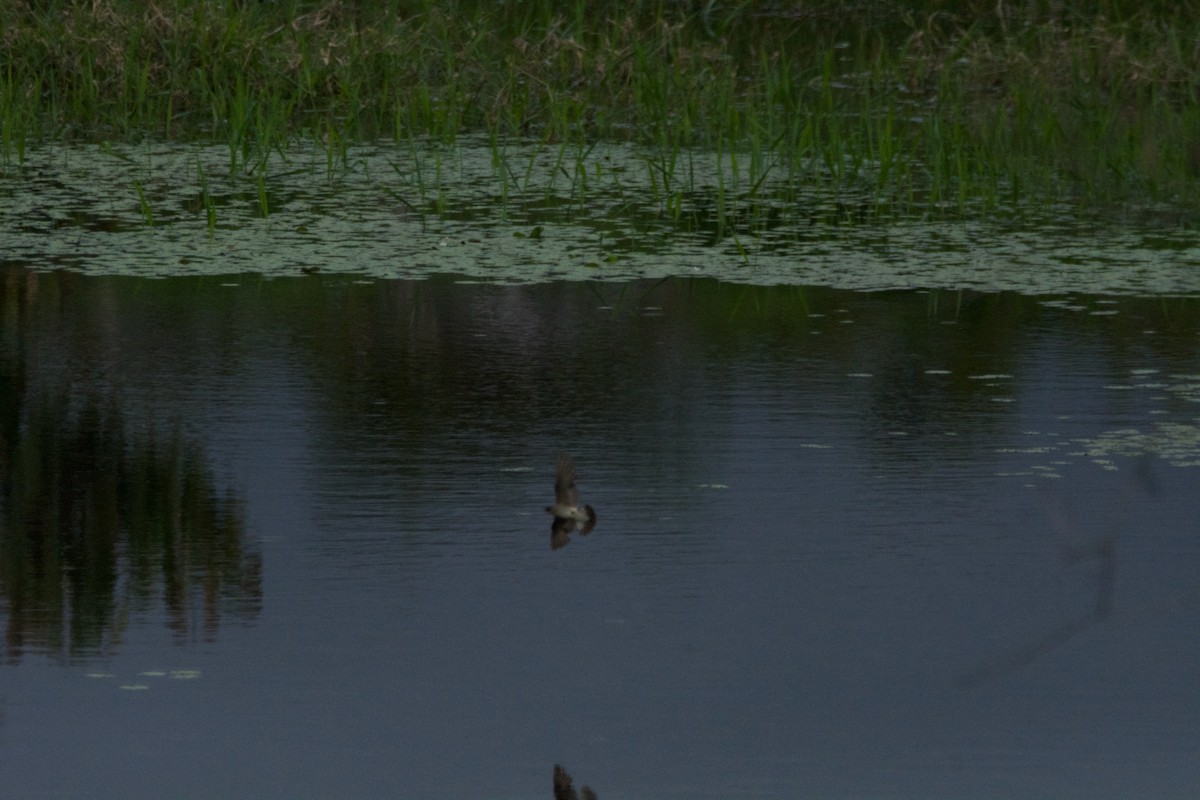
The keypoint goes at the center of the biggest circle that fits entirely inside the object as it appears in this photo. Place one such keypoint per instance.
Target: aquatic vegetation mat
(529, 212)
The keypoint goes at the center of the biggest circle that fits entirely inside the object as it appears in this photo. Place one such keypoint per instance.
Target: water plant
(206, 200)
(143, 203)
(979, 105)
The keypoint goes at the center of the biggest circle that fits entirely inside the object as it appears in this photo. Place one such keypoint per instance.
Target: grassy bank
(987, 102)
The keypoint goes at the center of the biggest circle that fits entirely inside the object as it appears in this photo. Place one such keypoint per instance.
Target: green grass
(928, 105)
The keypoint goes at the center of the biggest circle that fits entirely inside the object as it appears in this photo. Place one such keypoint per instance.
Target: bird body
(568, 514)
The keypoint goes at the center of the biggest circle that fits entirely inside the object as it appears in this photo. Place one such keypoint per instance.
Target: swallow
(568, 514)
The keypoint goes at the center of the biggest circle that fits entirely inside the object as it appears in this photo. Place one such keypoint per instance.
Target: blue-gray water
(850, 545)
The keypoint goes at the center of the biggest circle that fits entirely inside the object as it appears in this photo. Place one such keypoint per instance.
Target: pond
(285, 538)
(890, 502)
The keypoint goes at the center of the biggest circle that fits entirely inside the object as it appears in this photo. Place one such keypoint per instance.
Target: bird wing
(586, 526)
(560, 531)
(565, 493)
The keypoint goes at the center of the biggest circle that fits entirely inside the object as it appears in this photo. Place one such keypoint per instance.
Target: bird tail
(591, 521)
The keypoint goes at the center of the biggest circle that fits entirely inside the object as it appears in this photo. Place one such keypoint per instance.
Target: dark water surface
(285, 539)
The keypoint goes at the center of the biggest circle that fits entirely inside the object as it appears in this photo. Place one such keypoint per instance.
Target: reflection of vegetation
(437, 350)
(97, 523)
(1081, 547)
(97, 519)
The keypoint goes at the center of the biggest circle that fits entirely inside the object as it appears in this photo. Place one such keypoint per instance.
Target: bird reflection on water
(564, 790)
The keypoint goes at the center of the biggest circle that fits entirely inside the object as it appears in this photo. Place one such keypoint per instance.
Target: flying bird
(568, 514)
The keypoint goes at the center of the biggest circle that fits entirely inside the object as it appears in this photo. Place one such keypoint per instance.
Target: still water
(286, 538)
